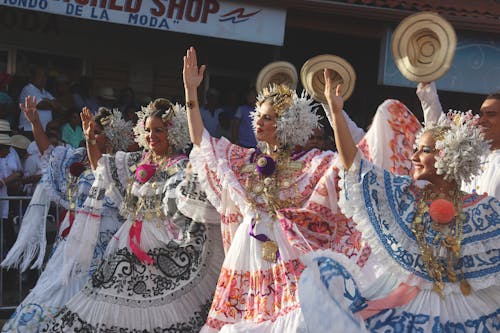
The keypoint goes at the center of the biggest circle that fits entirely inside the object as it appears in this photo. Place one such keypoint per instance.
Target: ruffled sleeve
(214, 160)
(383, 207)
(113, 173)
(57, 161)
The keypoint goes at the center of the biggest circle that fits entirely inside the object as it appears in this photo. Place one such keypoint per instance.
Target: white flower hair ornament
(117, 130)
(295, 119)
(460, 145)
(177, 126)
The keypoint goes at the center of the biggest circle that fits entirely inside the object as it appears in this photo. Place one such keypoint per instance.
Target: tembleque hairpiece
(460, 145)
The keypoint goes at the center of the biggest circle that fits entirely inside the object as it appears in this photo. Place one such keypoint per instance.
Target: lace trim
(353, 180)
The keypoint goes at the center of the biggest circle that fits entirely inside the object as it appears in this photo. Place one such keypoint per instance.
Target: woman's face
(101, 139)
(156, 136)
(265, 130)
(424, 159)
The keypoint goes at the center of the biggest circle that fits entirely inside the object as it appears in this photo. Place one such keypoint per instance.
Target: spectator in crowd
(126, 98)
(32, 170)
(210, 112)
(106, 97)
(46, 103)
(243, 133)
(82, 95)
(72, 131)
(129, 112)
(7, 105)
(224, 127)
(63, 94)
(10, 166)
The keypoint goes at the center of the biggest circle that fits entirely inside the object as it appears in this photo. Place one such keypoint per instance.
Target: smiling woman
(433, 246)
(161, 267)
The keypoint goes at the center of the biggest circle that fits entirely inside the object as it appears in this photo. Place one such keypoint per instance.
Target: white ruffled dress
(53, 289)
(333, 291)
(173, 293)
(252, 294)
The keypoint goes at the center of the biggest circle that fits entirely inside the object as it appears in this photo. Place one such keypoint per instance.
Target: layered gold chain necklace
(441, 254)
(268, 178)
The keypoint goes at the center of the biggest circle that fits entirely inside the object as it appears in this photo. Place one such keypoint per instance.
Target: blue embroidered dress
(53, 289)
(334, 292)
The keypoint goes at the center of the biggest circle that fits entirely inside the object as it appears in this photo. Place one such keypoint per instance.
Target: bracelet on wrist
(90, 141)
(190, 104)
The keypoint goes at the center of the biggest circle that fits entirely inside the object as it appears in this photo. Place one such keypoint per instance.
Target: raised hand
(29, 109)
(88, 123)
(191, 73)
(333, 94)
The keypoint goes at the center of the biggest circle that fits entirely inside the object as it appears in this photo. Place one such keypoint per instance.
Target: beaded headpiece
(295, 119)
(175, 120)
(460, 145)
(117, 130)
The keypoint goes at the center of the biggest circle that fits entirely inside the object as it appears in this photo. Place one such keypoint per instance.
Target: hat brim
(278, 72)
(423, 46)
(313, 80)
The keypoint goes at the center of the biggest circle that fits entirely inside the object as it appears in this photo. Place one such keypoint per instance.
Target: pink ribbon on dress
(135, 245)
(400, 296)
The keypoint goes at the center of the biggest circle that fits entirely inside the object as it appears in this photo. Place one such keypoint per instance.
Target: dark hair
(161, 106)
(102, 114)
(495, 95)
(4, 147)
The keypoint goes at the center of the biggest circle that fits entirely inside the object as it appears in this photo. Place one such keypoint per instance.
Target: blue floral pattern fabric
(385, 217)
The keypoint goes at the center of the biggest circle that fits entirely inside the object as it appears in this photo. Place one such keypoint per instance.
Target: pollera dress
(257, 292)
(394, 291)
(53, 288)
(161, 267)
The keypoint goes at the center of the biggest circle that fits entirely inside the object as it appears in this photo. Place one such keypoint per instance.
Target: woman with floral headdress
(434, 266)
(161, 267)
(67, 180)
(276, 202)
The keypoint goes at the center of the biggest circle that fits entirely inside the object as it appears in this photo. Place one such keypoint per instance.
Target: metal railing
(14, 285)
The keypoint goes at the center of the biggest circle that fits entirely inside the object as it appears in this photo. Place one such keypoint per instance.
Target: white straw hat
(423, 46)
(313, 80)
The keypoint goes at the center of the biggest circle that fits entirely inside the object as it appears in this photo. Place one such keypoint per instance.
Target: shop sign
(222, 19)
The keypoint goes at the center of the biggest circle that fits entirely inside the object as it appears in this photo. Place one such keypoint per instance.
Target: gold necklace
(441, 254)
(267, 184)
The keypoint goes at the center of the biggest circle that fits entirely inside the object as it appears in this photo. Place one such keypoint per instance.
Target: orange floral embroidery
(258, 296)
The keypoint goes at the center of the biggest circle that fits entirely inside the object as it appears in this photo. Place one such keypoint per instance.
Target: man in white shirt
(489, 118)
(210, 112)
(10, 171)
(46, 103)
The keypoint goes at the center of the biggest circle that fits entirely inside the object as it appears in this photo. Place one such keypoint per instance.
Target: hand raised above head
(333, 93)
(88, 123)
(191, 73)
(29, 108)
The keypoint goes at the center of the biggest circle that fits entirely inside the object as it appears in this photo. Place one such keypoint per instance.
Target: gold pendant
(269, 251)
(465, 287)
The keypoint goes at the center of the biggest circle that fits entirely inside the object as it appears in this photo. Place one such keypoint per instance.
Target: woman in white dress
(67, 180)
(161, 267)
(434, 266)
(276, 202)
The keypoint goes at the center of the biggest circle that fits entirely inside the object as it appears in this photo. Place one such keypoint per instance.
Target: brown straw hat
(313, 79)
(423, 46)
(279, 72)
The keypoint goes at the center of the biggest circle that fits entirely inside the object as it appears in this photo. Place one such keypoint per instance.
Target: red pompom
(442, 211)
(76, 169)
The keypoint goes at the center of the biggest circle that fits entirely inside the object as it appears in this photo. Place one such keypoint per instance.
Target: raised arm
(343, 139)
(429, 99)
(193, 75)
(29, 109)
(88, 126)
